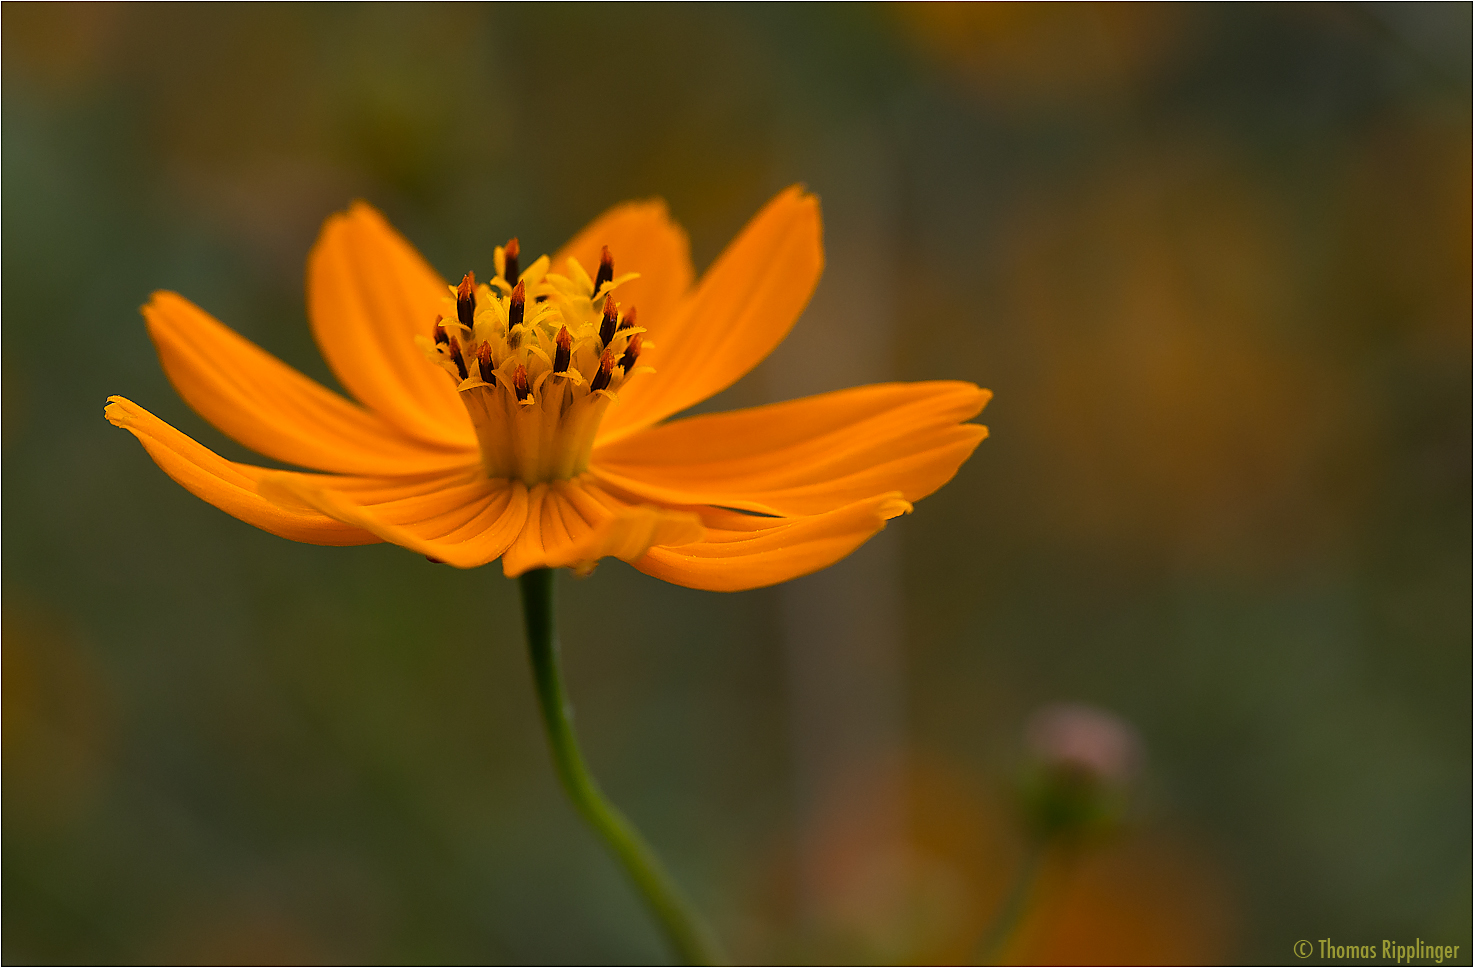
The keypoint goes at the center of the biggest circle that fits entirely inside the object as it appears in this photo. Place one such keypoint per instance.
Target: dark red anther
(520, 384)
(564, 351)
(466, 300)
(483, 361)
(606, 371)
(611, 316)
(606, 270)
(631, 352)
(441, 336)
(629, 319)
(517, 307)
(511, 269)
(457, 358)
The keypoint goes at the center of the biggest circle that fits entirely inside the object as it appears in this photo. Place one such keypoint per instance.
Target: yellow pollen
(537, 357)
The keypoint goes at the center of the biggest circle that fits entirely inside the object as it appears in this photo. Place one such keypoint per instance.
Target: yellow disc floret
(537, 358)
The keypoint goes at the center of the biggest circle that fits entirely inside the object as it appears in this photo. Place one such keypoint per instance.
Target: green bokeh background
(1214, 261)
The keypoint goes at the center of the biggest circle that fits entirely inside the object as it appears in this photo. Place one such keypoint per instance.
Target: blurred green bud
(1078, 772)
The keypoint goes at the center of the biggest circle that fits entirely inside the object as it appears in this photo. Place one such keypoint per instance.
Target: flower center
(537, 358)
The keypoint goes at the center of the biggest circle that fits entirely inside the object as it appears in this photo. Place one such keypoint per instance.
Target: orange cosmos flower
(523, 418)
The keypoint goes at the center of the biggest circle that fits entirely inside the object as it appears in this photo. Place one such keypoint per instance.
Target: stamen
(457, 358)
(564, 351)
(606, 371)
(466, 300)
(528, 427)
(632, 352)
(483, 359)
(611, 315)
(517, 307)
(512, 269)
(606, 270)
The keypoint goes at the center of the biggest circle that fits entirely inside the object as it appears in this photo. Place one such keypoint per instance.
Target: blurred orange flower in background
(523, 421)
(1148, 895)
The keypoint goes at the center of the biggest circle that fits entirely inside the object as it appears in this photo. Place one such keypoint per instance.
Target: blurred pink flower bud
(1085, 738)
(1081, 760)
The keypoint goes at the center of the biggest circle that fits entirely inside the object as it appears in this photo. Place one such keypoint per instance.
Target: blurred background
(1214, 261)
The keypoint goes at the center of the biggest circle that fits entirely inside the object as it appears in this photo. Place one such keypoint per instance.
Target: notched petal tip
(116, 410)
(359, 207)
(893, 505)
(799, 192)
(358, 213)
(158, 298)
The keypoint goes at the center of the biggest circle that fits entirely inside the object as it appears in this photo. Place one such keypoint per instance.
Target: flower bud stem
(684, 929)
(1004, 929)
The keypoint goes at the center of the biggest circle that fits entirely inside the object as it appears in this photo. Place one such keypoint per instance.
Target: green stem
(1010, 914)
(684, 929)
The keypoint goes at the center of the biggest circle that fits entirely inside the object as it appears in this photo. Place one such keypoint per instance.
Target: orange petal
(743, 307)
(805, 456)
(744, 551)
(368, 294)
(272, 408)
(229, 486)
(575, 523)
(642, 238)
(465, 523)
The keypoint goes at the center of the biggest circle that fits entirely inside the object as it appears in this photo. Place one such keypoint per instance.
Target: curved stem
(1010, 916)
(684, 929)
